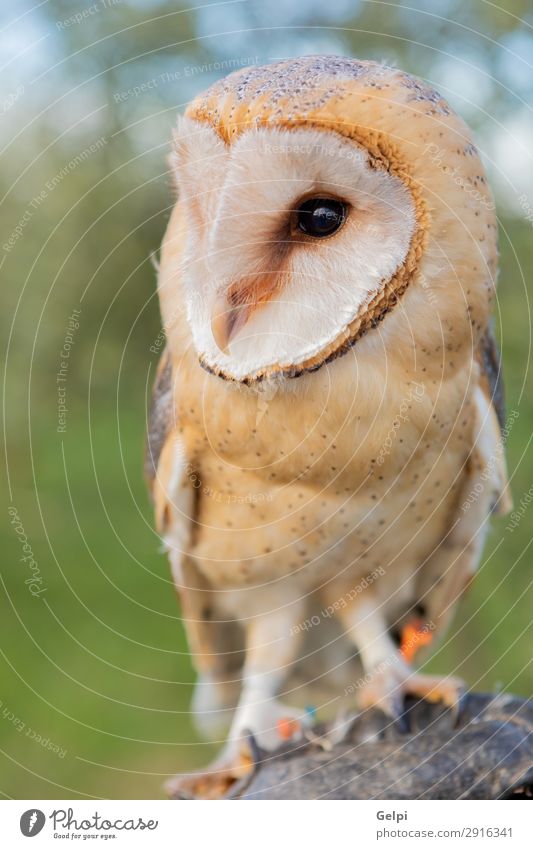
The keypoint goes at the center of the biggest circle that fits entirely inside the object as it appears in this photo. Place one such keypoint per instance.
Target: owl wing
(491, 373)
(160, 419)
(484, 490)
(215, 643)
(491, 384)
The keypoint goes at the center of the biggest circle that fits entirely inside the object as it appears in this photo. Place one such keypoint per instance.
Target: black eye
(320, 216)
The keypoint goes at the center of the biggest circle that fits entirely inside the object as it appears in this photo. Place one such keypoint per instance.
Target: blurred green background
(97, 664)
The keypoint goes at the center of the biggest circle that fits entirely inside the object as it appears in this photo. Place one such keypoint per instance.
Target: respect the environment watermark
(188, 71)
(51, 184)
(87, 12)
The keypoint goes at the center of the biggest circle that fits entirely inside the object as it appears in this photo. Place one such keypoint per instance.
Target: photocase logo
(32, 822)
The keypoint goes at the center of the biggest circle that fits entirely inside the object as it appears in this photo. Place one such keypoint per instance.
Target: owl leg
(388, 677)
(272, 645)
(216, 647)
(272, 649)
(215, 696)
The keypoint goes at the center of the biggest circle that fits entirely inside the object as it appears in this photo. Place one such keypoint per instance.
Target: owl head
(325, 205)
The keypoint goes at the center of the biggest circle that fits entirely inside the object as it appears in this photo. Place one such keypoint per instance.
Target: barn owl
(324, 444)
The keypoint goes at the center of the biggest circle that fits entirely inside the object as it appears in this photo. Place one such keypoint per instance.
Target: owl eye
(320, 216)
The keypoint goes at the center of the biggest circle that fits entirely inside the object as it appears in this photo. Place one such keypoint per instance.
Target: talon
(389, 688)
(218, 781)
(448, 691)
(458, 707)
(255, 749)
(402, 723)
(322, 741)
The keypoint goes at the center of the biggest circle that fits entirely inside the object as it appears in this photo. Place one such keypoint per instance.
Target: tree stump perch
(486, 754)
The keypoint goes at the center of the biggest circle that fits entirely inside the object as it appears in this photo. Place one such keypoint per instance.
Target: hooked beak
(235, 305)
(227, 320)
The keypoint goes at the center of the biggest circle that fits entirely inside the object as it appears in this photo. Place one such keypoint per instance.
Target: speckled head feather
(310, 88)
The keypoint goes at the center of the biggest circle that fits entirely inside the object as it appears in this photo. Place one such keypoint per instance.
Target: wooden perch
(487, 754)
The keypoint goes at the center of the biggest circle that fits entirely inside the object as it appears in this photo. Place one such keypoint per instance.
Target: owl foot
(388, 689)
(220, 780)
(272, 725)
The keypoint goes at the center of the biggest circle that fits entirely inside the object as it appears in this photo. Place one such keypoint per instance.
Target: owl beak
(226, 322)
